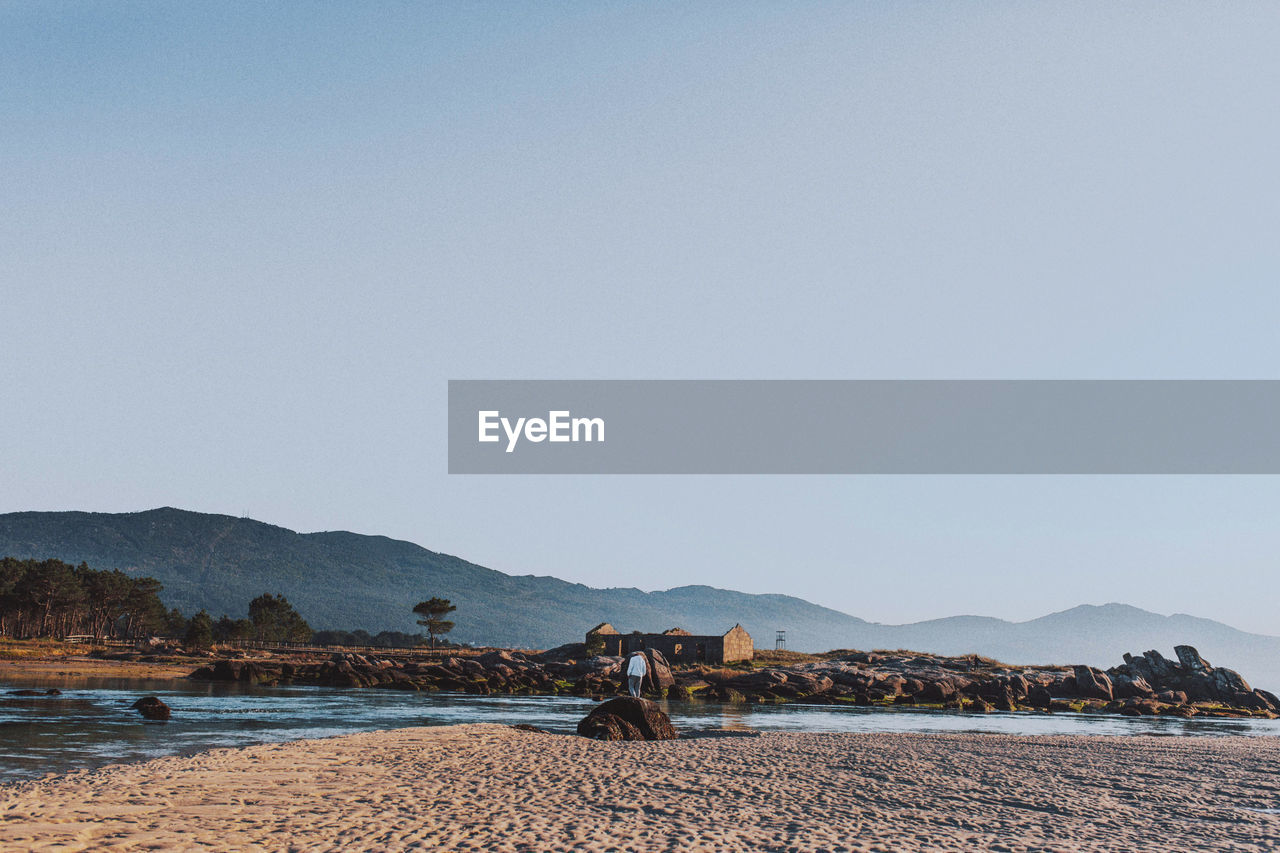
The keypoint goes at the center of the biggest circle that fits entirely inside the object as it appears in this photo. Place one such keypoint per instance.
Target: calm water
(91, 723)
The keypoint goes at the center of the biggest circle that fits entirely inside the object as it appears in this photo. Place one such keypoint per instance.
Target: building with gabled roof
(676, 645)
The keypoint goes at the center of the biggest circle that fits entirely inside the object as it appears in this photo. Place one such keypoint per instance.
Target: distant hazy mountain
(347, 580)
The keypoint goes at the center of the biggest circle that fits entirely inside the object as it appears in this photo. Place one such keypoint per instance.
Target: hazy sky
(243, 247)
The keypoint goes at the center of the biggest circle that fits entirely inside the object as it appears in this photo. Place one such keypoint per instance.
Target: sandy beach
(489, 787)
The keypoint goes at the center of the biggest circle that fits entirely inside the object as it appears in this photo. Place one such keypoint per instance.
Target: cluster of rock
(1146, 684)
(492, 672)
(1151, 679)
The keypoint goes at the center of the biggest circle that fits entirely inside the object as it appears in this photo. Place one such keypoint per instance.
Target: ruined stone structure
(677, 645)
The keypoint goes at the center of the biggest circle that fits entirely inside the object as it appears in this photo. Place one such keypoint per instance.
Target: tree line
(361, 637)
(50, 598)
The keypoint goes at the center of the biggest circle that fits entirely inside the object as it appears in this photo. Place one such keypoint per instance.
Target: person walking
(637, 668)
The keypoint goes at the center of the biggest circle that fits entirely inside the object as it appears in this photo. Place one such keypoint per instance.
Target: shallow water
(91, 723)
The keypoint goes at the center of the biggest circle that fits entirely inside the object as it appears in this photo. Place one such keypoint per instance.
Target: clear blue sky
(244, 245)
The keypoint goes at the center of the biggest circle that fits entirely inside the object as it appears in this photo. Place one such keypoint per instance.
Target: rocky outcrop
(626, 718)
(1190, 684)
(152, 708)
(1192, 679)
(1151, 665)
(1092, 684)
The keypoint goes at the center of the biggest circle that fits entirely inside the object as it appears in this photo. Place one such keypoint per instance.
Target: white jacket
(637, 666)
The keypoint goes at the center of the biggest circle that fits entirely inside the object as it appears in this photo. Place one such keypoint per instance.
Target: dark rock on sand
(626, 718)
(152, 708)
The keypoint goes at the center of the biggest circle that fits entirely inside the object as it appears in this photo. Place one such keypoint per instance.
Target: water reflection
(91, 723)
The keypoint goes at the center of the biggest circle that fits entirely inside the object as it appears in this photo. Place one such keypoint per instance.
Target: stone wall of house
(604, 639)
(681, 648)
(738, 645)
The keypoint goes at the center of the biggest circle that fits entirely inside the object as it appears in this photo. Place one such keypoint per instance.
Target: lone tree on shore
(435, 609)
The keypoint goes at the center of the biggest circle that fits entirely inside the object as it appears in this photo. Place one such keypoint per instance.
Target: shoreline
(83, 666)
(486, 787)
(1146, 685)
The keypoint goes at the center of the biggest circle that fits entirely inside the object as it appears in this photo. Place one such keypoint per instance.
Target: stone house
(677, 645)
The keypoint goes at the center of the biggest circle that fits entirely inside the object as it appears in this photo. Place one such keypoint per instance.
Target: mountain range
(348, 580)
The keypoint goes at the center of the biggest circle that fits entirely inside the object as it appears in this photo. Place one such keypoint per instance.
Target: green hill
(347, 580)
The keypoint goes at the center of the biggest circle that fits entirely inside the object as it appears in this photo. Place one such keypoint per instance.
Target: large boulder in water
(151, 708)
(626, 718)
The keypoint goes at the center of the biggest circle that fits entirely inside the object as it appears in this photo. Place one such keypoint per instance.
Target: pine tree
(435, 609)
